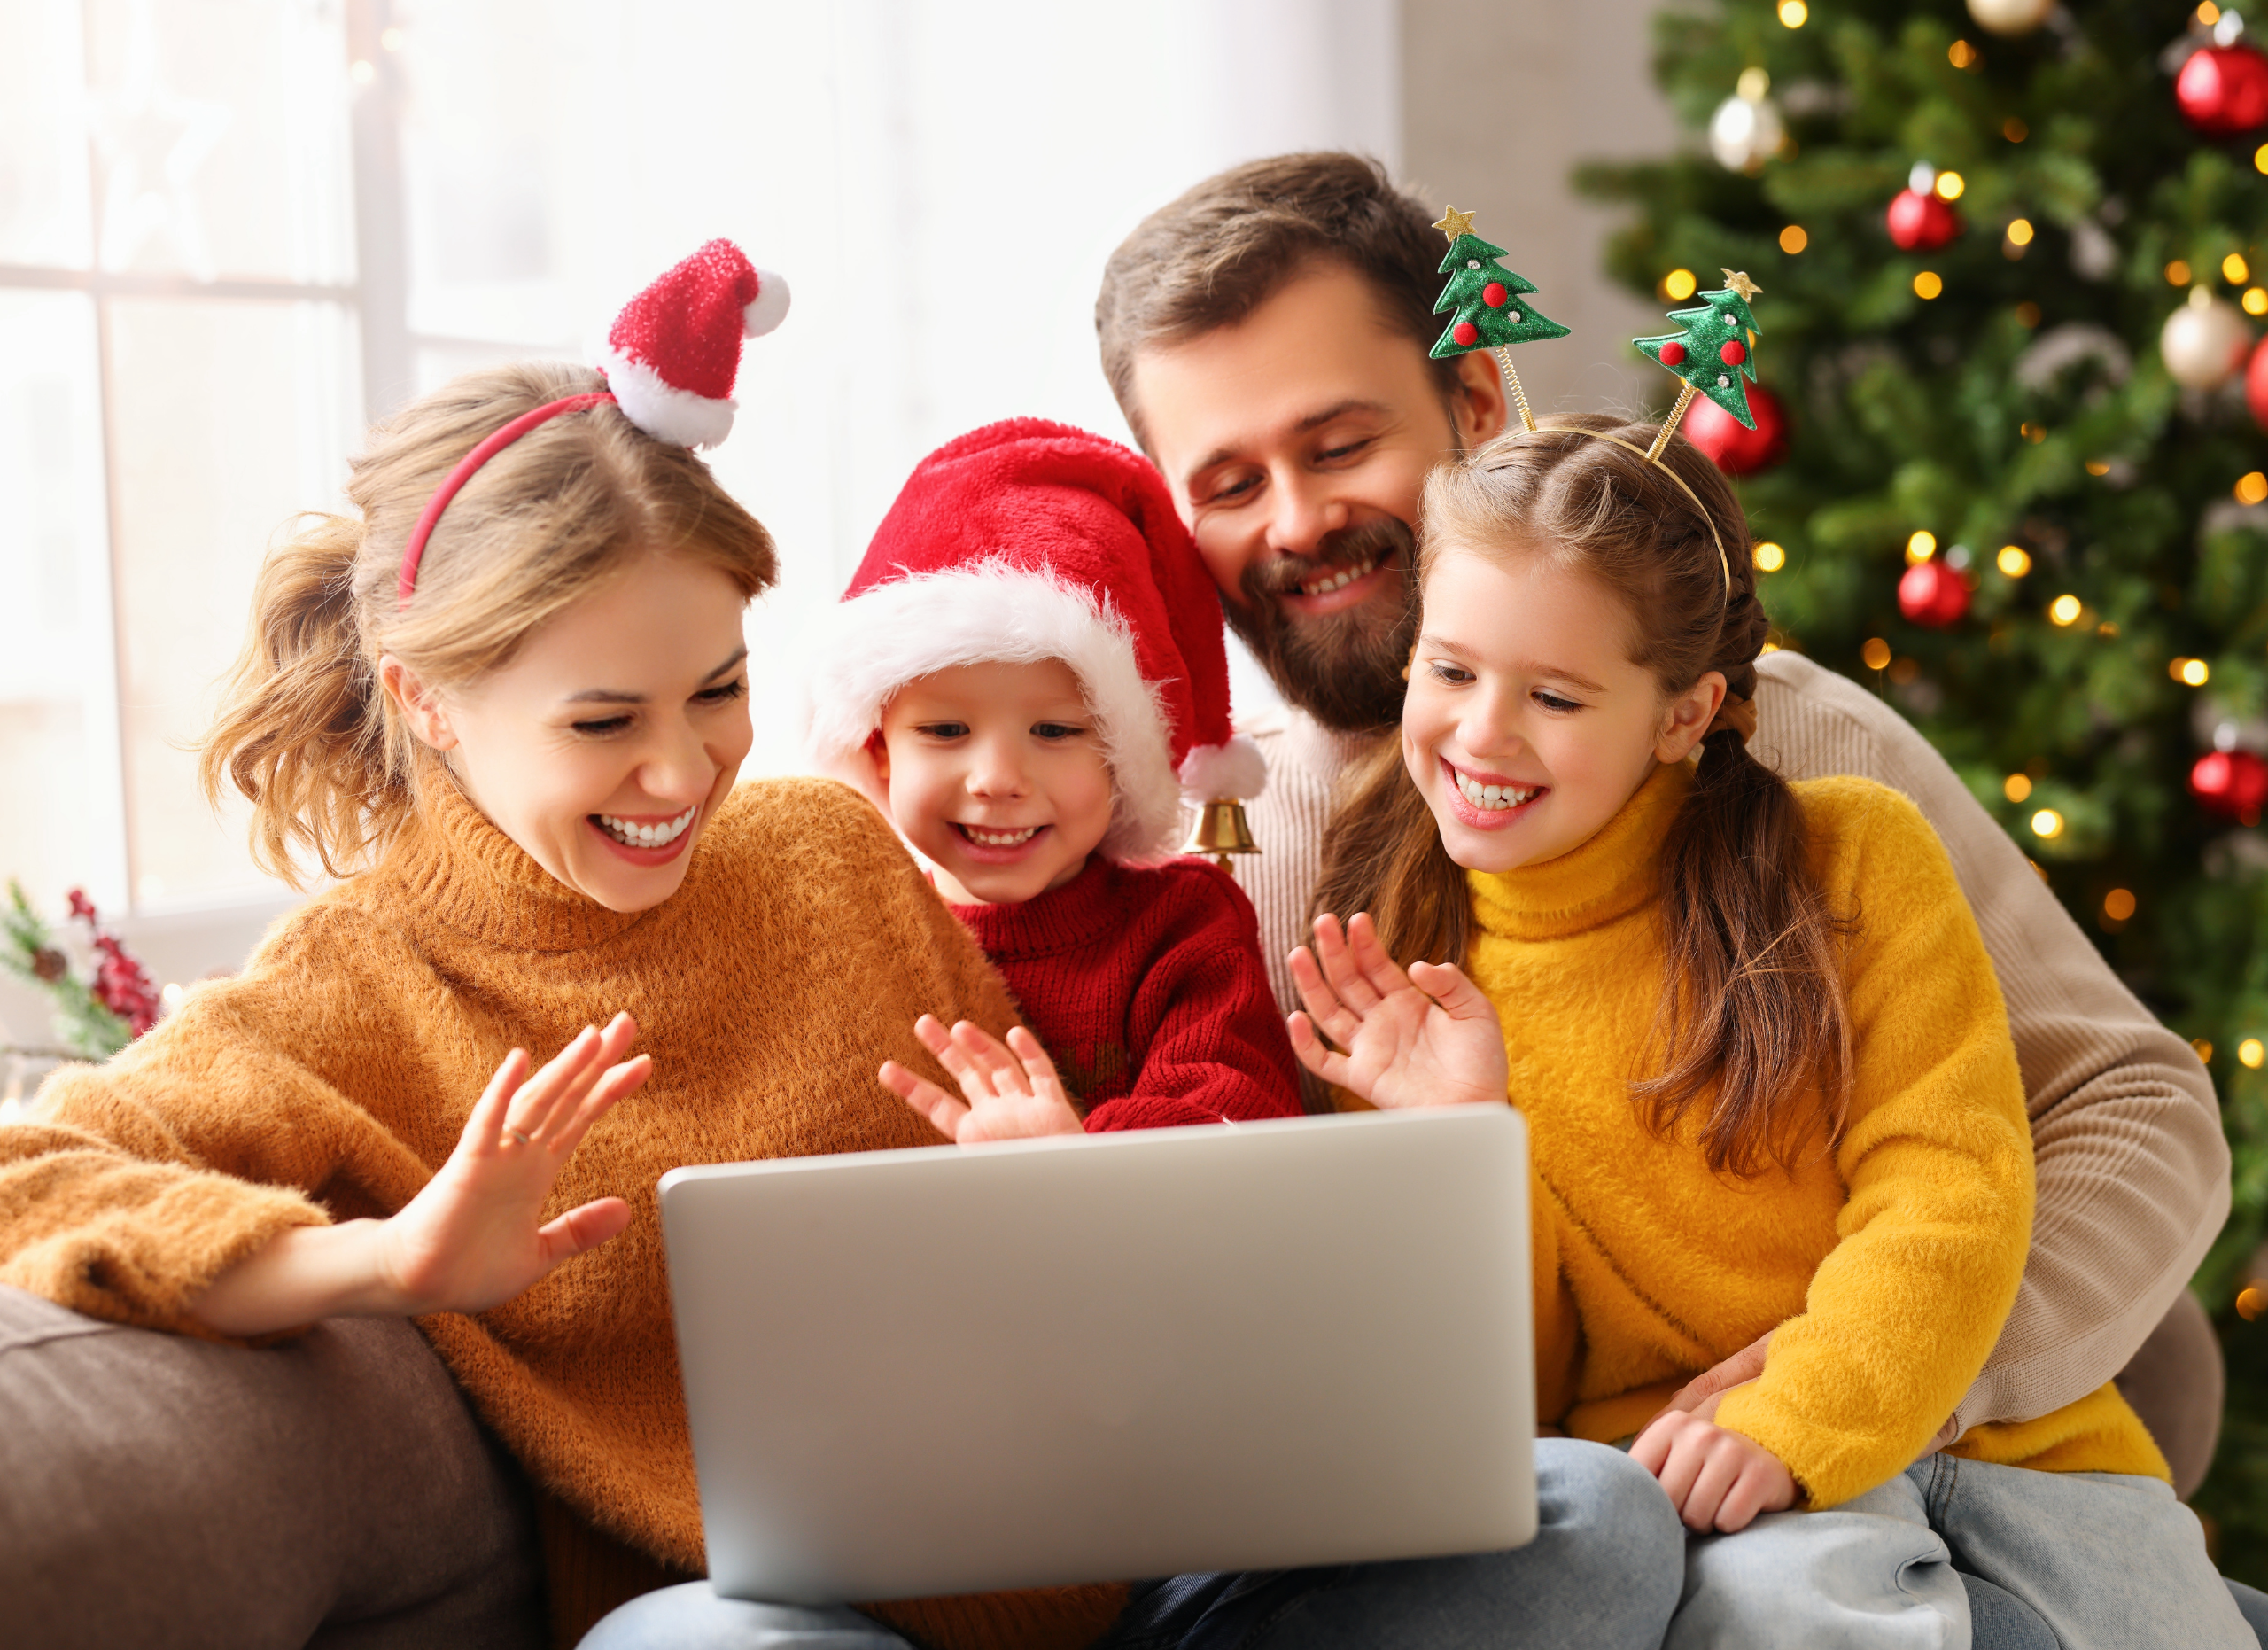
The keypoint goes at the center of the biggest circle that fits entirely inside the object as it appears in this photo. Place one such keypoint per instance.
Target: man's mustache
(1349, 547)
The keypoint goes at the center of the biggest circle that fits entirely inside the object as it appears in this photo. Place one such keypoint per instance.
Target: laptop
(1109, 1357)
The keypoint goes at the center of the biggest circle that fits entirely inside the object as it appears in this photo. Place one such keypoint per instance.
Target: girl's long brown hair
(305, 731)
(1753, 1020)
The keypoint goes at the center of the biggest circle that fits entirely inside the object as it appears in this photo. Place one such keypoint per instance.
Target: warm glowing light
(2177, 272)
(2065, 609)
(1793, 239)
(2047, 824)
(2256, 300)
(2098, 466)
(2190, 673)
(2234, 270)
(1679, 284)
(391, 39)
(1770, 557)
(1793, 13)
(2020, 232)
(2203, 1049)
(2017, 787)
(362, 72)
(2028, 313)
(2250, 1301)
(2251, 1052)
(2119, 904)
(1961, 54)
(2208, 13)
(2252, 487)
(1876, 653)
(1927, 284)
(1949, 185)
(2034, 433)
(1920, 547)
(2014, 130)
(2260, 159)
(2013, 560)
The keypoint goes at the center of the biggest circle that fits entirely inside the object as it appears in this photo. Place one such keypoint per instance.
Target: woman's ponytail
(301, 730)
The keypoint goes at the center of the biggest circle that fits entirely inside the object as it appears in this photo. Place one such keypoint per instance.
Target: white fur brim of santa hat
(897, 633)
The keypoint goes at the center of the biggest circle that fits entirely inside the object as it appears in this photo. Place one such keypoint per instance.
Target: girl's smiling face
(1526, 727)
(996, 774)
(606, 744)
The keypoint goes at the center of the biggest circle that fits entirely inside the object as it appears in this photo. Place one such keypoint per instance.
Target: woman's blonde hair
(305, 731)
(1754, 1019)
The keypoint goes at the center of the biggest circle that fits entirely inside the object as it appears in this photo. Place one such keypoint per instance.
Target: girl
(1764, 1063)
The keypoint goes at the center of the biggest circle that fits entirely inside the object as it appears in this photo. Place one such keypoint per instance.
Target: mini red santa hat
(673, 352)
(1028, 541)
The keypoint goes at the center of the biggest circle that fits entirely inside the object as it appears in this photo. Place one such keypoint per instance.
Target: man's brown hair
(1215, 256)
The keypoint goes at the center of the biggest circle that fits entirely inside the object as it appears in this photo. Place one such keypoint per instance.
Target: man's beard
(1345, 669)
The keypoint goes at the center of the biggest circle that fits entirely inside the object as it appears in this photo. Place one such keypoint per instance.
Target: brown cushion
(333, 1492)
(2175, 1383)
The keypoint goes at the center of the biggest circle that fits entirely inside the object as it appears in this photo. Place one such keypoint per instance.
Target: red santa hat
(673, 352)
(1029, 541)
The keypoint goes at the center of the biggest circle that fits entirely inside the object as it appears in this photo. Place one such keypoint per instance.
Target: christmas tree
(1483, 294)
(2022, 493)
(1715, 349)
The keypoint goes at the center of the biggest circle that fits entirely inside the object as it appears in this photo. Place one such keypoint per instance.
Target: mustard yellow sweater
(333, 1076)
(1885, 1266)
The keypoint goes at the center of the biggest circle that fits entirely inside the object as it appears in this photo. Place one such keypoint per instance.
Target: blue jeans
(2104, 1562)
(1602, 1571)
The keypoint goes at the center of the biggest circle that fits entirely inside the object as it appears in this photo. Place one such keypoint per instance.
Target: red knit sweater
(1147, 986)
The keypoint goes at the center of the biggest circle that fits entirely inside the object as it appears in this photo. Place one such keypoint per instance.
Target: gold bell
(1219, 830)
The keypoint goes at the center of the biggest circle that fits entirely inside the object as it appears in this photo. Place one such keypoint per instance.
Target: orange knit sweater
(332, 1078)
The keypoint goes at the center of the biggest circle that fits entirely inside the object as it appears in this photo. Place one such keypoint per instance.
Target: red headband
(414, 551)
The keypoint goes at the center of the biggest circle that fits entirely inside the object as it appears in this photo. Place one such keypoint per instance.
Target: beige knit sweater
(2133, 1169)
(333, 1076)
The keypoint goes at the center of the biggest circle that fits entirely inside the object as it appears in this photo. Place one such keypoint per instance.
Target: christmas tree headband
(670, 360)
(1715, 350)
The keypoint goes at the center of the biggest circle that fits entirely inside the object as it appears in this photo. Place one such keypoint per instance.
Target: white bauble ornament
(2204, 341)
(2010, 17)
(1746, 132)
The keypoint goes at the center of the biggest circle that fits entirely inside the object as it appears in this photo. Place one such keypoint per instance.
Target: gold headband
(1652, 457)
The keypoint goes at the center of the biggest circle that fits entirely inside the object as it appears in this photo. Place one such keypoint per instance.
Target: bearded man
(1266, 336)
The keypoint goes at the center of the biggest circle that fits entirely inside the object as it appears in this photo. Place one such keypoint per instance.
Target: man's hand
(1008, 1093)
(1716, 1479)
(1427, 1037)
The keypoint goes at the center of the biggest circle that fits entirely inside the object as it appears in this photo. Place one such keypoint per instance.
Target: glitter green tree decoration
(1488, 302)
(1716, 350)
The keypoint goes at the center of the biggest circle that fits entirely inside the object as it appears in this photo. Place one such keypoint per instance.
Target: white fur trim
(659, 408)
(1219, 773)
(875, 643)
(769, 307)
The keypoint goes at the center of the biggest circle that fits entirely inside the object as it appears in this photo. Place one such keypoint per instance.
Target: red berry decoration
(2230, 783)
(1494, 294)
(1933, 594)
(1672, 353)
(1733, 354)
(1920, 221)
(2223, 89)
(1732, 447)
(1466, 334)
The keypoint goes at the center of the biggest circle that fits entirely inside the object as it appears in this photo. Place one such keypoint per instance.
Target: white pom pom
(769, 307)
(1218, 773)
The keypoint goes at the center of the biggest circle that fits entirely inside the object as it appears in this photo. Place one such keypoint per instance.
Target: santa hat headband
(670, 362)
(1029, 541)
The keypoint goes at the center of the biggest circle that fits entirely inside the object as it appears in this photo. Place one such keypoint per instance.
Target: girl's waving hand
(1426, 1037)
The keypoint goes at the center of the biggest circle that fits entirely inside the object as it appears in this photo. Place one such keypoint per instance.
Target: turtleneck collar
(1612, 875)
(1061, 919)
(457, 868)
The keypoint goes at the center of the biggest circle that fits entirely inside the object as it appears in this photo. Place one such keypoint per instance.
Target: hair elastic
(414, 552)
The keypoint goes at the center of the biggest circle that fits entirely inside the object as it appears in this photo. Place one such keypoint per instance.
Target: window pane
(227, 419)
(221, 137)
(43, 190)
(58, 744)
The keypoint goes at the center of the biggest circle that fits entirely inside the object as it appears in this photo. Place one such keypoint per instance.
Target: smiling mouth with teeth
(1339, 578)
(984, 838)
(631, 834)
(1492, 798)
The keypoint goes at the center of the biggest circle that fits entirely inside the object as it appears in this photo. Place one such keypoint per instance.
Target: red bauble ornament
(2230, 783)
(2256, 384)
(1494, 294)
(2223, 89)
(1920, 221)
(1933, 594)
(1732, 446)
(1672, 353)
(1733, 354)
(1465, 333)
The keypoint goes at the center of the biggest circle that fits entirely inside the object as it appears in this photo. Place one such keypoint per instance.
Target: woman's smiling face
(606, 744)
(1526, 727)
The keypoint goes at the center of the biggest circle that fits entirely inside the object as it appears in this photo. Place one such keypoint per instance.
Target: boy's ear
(1686, 717)
(878, 753)
(422, 710)
(1479, 408)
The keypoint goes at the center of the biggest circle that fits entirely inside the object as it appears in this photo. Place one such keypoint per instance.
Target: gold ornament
(1454, 223)
(1221, 829)
(1737, 282)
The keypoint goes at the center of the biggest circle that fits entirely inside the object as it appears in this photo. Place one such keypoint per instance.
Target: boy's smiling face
(996, 772)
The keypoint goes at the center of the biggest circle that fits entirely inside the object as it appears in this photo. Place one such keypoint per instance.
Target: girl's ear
(421, 709)
(1479, 408)
(1686, 717)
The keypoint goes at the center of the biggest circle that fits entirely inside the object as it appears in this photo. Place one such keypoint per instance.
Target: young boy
(1028, 676)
